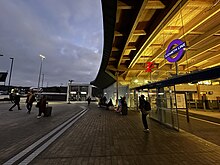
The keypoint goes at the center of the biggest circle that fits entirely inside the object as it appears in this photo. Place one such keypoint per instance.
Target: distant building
(80, 92)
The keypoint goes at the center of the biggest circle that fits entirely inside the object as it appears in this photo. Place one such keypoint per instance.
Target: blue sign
(179, 49)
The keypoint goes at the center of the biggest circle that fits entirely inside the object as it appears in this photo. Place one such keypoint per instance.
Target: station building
(81, 91)
(167, 50)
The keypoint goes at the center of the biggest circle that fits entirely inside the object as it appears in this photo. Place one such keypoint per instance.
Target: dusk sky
(69, 33)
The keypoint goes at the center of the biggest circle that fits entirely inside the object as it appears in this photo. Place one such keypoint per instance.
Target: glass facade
(79, 92)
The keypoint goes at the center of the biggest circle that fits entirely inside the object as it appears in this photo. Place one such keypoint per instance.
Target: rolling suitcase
(48, 111)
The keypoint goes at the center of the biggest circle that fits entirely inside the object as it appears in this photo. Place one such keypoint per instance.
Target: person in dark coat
(29, 101)
(89, 100)
(144, 111)
(16, 101)
(109, 105)
(11, 97)
(124, 109)
(42, 106)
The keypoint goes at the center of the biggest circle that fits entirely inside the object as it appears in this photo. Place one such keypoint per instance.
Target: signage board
(179, 50)
(3, 76)
(149, 66)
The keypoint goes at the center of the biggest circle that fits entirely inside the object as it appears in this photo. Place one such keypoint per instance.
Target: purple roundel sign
(179, 49)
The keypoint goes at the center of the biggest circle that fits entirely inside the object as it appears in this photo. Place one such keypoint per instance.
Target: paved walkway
(105, 137)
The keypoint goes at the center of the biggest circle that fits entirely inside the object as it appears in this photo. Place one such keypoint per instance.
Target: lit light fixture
(207, 82)
(215, 83)
(151, 93)
(41, 64)
(42, 56)
(136, 80)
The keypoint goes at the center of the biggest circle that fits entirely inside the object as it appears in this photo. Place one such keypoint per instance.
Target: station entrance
(78, 92)
(164, 105)
(181, 93)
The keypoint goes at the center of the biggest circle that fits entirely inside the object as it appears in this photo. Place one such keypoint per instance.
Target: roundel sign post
(179, 50)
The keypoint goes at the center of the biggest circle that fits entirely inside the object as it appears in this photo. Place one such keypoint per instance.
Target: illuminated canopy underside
(139, 31)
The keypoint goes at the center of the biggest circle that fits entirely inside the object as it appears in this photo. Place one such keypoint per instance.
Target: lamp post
(42, 58)
(42, 82)
(9, 81)
(68, 91)
(2, 55)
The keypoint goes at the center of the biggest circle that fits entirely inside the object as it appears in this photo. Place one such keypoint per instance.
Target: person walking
(11, 96)
(42, 106)
(29, 101)
(16, 101)
(144, 107)
(89, 100)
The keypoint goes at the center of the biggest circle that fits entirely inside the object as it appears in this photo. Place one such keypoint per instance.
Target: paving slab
(105, 137)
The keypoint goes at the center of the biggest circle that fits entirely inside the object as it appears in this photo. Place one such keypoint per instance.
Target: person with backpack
(144, 107)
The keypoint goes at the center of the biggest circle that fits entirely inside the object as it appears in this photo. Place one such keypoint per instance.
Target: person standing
(144, 106)
(29, 101)
(42, 106)
(124, 107)
(16, 101)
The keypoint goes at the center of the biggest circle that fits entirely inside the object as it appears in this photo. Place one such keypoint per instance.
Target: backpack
(141, 104)
(147, 106)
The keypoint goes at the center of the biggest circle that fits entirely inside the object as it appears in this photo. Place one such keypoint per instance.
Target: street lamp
(42, 58)
(9, 81)
(42, 81)
(68, 91)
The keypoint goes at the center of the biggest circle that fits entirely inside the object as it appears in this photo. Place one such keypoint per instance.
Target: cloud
(68, 32)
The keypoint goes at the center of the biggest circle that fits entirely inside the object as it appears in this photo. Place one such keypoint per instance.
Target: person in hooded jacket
(144, 107)
(16, 101)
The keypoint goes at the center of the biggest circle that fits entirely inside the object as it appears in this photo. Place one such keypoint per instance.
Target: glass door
(164, 106)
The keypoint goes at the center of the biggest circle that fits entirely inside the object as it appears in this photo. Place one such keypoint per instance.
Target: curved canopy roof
(136, 32)
(109, 8)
